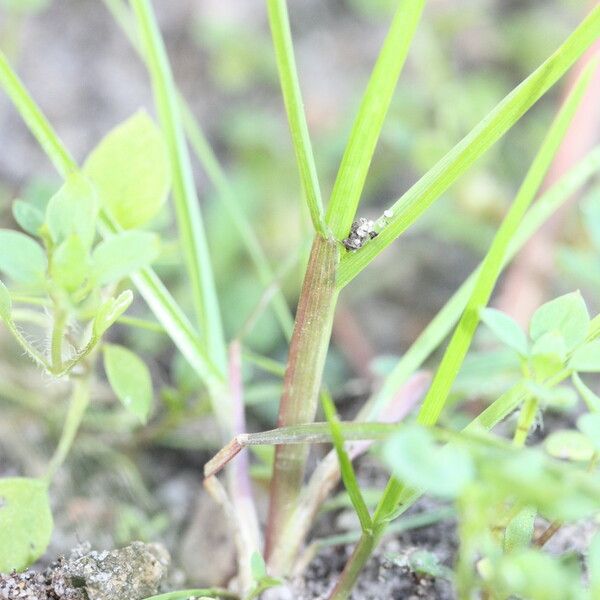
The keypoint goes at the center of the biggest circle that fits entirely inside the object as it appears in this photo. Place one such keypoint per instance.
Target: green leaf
(568, 444)
(110, 311)
(424, 562)
(346, 468)
(590, 398)
(589, 425)
(130, 379)
(73, 210)
(290, 87)
(70, 265)
(519, 531)
(5, 304)
(21, 258)
(29, 217)
(120, 255)
(566, 315)
(413, 458)
(586, 358)
(559, 396)
(367, 126)
(258, 566)
(438, 179)
(25, 522)
(130, 169)
(506, 329)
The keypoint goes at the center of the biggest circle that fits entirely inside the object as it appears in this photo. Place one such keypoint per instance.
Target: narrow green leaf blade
(25, 522)
(346, 468)
(292, 96)
(119, 256)
(22, 259)
(189, 218)
(436, 181)
(496, 256)
(130, 379)
(130, 168)
(365, 132)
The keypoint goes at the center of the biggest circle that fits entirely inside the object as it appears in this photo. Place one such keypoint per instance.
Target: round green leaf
(73, 210)
(566, 315)
(130, 379)
(22, 259)
(25, 522)
(70, 264)
(130, 168)
(506, 329)
(28, 216)
(123, 254)
(569, 445)
(586, 358)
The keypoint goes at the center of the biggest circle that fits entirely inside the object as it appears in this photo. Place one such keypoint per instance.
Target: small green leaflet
(73, 211)
(130, 168)
(123, 254)
(110, 311)
(130, 379)
(22, 259)
(586, 358)
(29, 217)
(505, 329)
(25, 522)
(70, 265)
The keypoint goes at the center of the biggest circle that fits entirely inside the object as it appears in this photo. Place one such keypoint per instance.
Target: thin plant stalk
(80, 397)
(187, 206)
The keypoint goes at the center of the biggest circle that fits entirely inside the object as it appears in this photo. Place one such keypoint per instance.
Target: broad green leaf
(110, 311)
(590, 398)
(29, 217)
(438, 179)
(506, 329)
(519, 531)
(73, 210)
(586, 358)
(414, 458)
(70, 265)
(130, 169)
(569, 444)
(130, 379)
(5, 304)
(119, 256)
(25, 522)
(21, 258)
(566, 315)
(589, 425)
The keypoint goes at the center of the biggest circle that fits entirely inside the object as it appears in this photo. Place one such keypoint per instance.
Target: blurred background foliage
(82, 71)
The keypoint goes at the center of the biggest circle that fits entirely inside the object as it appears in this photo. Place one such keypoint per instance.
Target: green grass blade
(436, 181)
(443, 322)
(209, 162)
(187, 207)
(365, 132)
(492, 264)
(290, 87)
(35, 120)
(166, 310)
(346, 468)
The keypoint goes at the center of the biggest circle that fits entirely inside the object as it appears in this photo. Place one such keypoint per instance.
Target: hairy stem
(308, 349)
